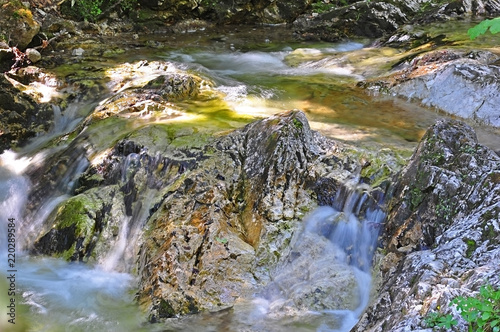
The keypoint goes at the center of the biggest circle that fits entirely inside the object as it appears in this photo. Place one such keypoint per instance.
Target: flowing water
(255, 80)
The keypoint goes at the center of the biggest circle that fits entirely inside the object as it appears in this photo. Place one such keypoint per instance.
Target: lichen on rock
(442, 233)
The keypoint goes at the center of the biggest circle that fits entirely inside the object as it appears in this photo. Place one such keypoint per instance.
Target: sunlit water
(260, 80)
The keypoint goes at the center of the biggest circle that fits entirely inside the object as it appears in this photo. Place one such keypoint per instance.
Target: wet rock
(248, 198)
(438, 79)
(367, 19)
(84, 226)
(442, 233)
(17, 26)
(311, 277)
(21, 117)
(148, 88)
(173, 87)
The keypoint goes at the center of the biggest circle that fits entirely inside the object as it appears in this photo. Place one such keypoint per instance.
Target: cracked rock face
(443, 232)
(214, 237)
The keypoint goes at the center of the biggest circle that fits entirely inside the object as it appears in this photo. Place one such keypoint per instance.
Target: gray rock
(474, 84)
(442, 232)
(78, 52)
(248, 200)
(367, 19)
(33, 55)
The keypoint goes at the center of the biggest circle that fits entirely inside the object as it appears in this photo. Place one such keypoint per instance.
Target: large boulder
(440, 78)
(17, 26)
(234, 215)
(443, 232)
(363, 18)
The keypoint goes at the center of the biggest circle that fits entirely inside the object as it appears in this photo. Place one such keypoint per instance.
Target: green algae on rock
(83, 226)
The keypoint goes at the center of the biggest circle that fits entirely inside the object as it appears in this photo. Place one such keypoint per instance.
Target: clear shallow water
(321, 81)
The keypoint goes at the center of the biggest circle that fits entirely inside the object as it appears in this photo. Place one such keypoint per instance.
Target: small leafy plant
(435, 319)
(92, 10)
(480, 29)
(482, 312)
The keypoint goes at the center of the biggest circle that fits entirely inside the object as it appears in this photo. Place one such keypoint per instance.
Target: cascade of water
(329, 262)
(122, 256)
(115, 256)
(83, 298)
(67, 121)
(124, 253)
(357, 236)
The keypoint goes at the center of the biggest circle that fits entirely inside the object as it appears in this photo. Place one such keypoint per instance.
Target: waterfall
(329, 264)
(59, 295)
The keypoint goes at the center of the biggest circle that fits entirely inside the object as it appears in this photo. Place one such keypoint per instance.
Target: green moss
(416, 197)
(77, 212)
(297, 123)
(165, 309)
(471, 247)
(68, 254)
(381, 165)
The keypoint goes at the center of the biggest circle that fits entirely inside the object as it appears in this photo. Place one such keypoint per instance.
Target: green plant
(88, 9)
(471, 247)
(91, 10)
(436, 319)
(297, 123)
(480, 29)
(444, 209)
(209, 3)
(321, 7)
(467, 149)
(326, 5)
(482, 312)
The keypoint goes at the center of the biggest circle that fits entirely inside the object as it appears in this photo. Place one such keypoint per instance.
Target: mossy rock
(80, 226)
(17, 23)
